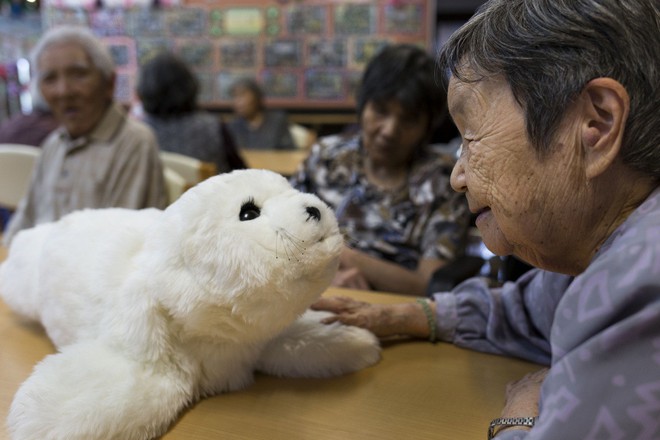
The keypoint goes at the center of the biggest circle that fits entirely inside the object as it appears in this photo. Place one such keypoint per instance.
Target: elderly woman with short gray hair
(557, 105)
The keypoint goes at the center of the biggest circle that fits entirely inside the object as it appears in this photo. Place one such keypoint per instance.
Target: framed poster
(404, 18)
(145, 22)
(355, 19)
(123, 52)
(108, 22)
(307, 20)
(200, 55)
(280, 84)
(186, 22)
(324, 85)
(241, 54)
(326, 53)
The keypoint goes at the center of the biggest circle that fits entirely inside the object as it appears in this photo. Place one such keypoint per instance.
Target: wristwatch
(504, 422)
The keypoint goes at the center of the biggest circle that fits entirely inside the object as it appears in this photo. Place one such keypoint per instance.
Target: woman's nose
(390, 126)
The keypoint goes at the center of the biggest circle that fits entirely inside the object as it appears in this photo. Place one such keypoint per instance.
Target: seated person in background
(253, 126)
(98, 157)
(27, 129)
(557, 105)
(168, 91)
(31, 128)
(390, 191)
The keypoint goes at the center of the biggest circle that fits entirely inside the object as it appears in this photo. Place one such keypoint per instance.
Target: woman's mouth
(481, 213)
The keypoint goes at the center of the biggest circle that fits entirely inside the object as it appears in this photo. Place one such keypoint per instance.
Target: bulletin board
(305, 53)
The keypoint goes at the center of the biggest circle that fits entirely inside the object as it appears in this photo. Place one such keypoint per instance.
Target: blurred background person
(168, 91)
(27, 129)
(31, 128)
(253, 126)
(389, 189)
(98, 157)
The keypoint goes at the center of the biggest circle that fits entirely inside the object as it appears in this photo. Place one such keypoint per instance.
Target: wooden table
(284, 162)
(417, 391)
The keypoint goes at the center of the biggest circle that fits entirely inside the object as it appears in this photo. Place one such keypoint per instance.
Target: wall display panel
(306, 53)
(17, 37)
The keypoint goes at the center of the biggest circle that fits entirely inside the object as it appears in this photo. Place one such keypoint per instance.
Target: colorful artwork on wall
(306, 53)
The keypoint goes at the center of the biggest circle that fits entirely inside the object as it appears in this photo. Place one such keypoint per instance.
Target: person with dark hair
(168, 91)
(390, 191)
(557, 105)
(98, 157)
(29, 128)
(254, 126)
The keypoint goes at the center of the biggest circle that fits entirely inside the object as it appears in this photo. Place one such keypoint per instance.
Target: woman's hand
(522, 397)
(359, 270)
(351, 278)
(348, 275)
(384, 320)
(346, 257)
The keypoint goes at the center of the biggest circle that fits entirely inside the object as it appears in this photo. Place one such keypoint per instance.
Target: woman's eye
(463, 146)
(249, 211)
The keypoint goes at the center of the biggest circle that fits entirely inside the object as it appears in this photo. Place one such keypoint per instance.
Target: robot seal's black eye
(249, 211)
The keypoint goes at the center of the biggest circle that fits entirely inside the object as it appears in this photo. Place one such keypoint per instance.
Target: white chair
(191, 169)
(175, 184)
(16, 164)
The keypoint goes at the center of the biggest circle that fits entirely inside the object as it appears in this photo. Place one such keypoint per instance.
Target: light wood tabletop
(284, 162)
(417, 391)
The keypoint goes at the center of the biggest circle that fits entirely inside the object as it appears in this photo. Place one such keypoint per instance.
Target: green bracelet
(429, 317)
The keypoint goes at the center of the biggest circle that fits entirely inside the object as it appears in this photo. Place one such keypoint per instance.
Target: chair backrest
(191, 169)
(303, 137)
(16, 164)
(175, 183)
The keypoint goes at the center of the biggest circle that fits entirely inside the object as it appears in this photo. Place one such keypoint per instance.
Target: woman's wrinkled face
(389, 133)
(245, 102)
(522, 202)
(73, 87)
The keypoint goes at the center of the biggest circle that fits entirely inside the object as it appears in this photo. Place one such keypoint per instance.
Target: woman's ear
(605, 109)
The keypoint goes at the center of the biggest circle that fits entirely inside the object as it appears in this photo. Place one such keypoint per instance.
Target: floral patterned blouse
(423, 219)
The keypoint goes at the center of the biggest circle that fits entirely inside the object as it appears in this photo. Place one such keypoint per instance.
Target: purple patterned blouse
(599, 331)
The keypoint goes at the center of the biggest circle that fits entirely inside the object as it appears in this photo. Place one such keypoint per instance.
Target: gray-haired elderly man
(98, 157)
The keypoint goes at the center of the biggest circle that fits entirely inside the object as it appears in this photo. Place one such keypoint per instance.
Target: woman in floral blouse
(390, 191)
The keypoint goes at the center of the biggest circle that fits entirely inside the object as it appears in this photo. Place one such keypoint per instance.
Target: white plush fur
(151, 310)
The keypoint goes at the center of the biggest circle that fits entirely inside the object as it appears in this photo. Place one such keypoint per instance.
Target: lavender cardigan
(600, 332)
